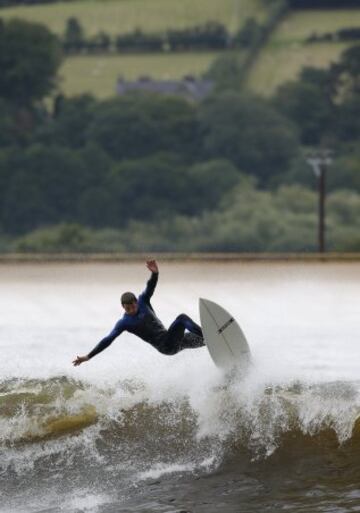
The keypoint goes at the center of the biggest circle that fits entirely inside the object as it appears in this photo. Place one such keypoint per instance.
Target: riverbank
(177, 257)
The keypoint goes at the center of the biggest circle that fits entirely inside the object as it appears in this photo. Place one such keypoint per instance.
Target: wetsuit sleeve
(150, 286)
(106, 341)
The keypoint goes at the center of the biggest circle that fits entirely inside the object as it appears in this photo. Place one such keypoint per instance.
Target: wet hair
(128, 298)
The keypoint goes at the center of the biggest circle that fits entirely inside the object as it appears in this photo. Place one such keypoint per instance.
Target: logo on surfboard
(224, 326)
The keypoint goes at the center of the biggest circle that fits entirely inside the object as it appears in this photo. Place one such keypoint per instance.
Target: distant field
(119, 16)
(278, 65)
(286, 52)
(98, 75)
(301, 24)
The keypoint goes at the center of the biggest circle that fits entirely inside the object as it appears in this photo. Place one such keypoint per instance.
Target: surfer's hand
(80, 359)
(152, 266)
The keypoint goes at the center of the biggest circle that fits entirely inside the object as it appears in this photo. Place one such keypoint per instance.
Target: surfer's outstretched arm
(151, 284)
(103, 344)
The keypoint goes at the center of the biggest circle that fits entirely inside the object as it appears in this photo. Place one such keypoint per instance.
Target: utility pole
(320, 160)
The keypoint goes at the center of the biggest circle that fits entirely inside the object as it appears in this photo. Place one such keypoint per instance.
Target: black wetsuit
(147, 326)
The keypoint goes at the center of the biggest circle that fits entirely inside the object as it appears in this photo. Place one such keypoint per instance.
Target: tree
(347, 72)
(43, 188)
(227, 71)
(10, 162)
(345, 172)
(161, 186)
(249, 34)
(324, 104)
(70, 122)
(60, 238)
(347, 125)
(147, 188)
(74, 39)
(30, 56)
(308, 107)
(208, 182)
(248, 132)
(139, 125)
(7, 125)
(97, 207)
(323, 4)
(100, 43)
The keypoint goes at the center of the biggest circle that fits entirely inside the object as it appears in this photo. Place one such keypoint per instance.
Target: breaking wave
(59, 417)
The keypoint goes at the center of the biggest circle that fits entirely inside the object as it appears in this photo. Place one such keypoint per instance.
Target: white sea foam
(161, 469)
(302, 323)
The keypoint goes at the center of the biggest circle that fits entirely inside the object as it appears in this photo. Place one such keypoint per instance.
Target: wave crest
(236, 418)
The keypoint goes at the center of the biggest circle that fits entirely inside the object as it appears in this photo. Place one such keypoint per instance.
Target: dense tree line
(301, 4)
(246, 220)
(155, 172)
(208, 36)
(144, 156)
(323, 4)
(11, 3)
(344, 34)
(211, 35)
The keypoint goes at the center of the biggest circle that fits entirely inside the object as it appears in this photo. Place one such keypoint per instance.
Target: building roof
(188, 86)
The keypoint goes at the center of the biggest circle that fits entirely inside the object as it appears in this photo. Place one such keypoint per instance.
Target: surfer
(140, 319)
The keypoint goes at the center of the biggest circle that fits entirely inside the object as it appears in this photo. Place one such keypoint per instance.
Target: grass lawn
(286, 53)
(98, 75)
(278, 65)
(119, 16)
(301, 24)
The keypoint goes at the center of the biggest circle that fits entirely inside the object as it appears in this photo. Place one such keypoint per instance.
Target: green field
(278, 65)
(286, 53)
(98, 75)
(301, 24)
(281, 60)
(120, 16)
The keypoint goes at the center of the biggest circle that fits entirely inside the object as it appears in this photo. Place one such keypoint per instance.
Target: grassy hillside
(281, 60)
(301, 24)
(119, 16)
(97, 75)
(286, 53)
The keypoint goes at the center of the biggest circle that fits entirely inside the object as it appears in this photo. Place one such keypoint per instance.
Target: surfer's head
(129, 303)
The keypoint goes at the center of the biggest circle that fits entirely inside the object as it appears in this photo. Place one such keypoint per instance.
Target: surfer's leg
(191, 341)
(176, 330)
(178, 340)
(186, 323)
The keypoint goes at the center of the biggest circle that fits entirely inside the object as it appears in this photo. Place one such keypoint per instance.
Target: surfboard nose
(202, 302)
(205, 302)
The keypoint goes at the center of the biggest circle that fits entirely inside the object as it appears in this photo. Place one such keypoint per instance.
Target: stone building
(189, 87)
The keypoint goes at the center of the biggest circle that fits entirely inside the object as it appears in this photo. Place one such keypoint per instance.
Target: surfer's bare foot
(79, 360)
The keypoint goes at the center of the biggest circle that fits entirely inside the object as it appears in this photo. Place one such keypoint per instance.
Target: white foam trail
(161, 469)
(85, 501)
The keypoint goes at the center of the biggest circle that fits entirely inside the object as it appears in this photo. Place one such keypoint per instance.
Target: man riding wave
(140, 319)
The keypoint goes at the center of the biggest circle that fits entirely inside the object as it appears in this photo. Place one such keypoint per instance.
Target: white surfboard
(223, 336)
